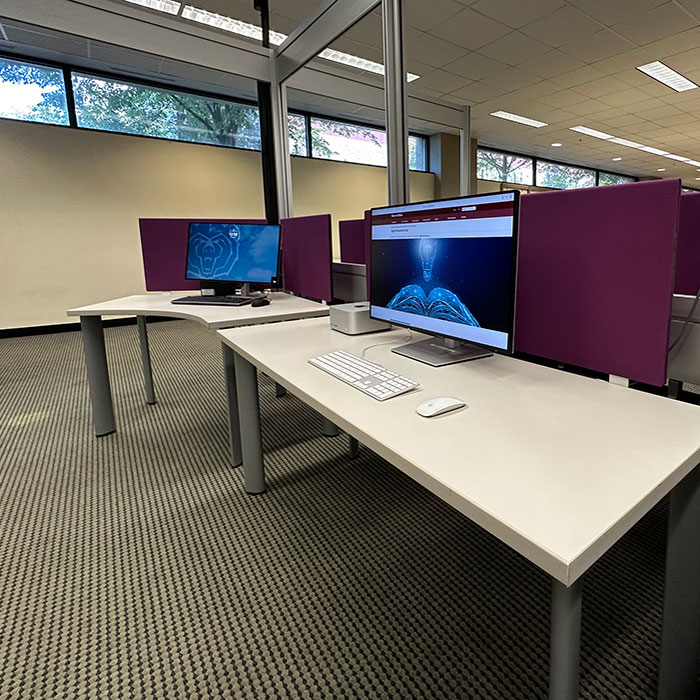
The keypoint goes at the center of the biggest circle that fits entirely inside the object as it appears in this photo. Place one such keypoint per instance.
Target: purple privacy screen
(688, 250)
(307, 256)
(595, 277)
(164, 249)
(368, 244)
(352, 240)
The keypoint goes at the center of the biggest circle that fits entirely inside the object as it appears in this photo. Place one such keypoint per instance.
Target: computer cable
(686, 322)
(388, 342)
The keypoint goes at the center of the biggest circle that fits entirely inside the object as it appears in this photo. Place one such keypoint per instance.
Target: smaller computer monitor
(233, 252)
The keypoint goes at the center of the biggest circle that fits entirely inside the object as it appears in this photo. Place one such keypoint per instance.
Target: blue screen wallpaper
(461, 280)
(232, 252)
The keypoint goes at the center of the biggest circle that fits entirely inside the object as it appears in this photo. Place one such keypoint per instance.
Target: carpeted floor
(134, 566)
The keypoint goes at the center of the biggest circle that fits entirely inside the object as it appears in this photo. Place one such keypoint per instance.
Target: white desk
(555, 465)
(283, 307)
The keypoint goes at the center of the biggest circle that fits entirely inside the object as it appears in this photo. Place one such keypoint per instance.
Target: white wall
(71, 200)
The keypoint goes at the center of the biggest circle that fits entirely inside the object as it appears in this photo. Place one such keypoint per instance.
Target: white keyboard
(373, 379)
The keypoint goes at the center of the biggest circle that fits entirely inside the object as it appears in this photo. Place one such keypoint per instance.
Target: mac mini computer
(353, 319)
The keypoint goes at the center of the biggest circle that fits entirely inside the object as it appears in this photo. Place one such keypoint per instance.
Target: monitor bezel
(513, 272)
(272, 282)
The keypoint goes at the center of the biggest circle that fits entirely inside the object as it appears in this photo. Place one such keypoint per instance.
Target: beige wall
(71, 201)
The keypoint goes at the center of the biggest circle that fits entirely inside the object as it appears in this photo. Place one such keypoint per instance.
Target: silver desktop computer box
(353, 319)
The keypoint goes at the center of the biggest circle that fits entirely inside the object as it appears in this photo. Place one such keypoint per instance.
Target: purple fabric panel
(595, 277)
(164, 250)
(368, 245)
(688, 253)
(352, 240)
(307, 256)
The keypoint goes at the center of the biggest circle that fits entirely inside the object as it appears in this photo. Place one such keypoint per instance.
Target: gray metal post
(280, 128)
(279, 390)
(565, 641)
(249, 418)
(680, 638)
(465, 160)
(234, 427)
(675, 386)
(354, 447)
(98, 375)
(395, 101)
(329, 429)
(146, 360)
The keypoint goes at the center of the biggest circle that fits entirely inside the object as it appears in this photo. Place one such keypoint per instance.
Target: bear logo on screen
(213, 256)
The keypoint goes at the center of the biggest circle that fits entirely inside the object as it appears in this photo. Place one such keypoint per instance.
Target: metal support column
(234, 425)
(465, 154)
(565, 641)
(146, 360)
(98, 375)
(249, 420)
(395, 101)
(280, 132)
(680, 638)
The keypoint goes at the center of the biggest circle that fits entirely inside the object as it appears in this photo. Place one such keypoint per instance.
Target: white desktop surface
(555, 465)
(282, 307)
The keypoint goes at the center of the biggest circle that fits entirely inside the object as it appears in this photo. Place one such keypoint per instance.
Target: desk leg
(675, 386)
(249, 416)
(146, 360)
(279, 390)
(680, 637)
(234, 425)
(98, 375)
(329, 429)
(354, 447)
(565, 641)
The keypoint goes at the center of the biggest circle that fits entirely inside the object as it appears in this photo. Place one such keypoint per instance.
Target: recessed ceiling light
(661, 72)
(655, 151)
(672, 156)
(617, 158)
(517, 118)
(236, 26)
(556, 145)
(169, 6)
(661, 170)
(693, 162)
(697, 178)
(591, 132)
(625, 142)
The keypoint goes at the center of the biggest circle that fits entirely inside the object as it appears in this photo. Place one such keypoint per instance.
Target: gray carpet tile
(134, 565)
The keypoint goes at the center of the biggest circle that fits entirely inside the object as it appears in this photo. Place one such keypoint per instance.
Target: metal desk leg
(279, 390)
(146, 360)
(98, 375)
(234, 426)
(565, 641)
(249, 416)
(354, 447)
(329, 429)
(680, 637)
(675, 386)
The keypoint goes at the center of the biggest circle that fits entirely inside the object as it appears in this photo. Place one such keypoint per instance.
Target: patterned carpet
(134, 566)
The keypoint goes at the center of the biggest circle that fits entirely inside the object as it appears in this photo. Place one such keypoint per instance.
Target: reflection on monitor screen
(231, 252)
(447, 267)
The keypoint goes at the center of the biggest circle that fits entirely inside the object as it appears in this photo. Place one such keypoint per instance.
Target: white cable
(388, 342)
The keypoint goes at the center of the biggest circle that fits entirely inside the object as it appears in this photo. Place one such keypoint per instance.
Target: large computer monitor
(233, 252)
(447, 268)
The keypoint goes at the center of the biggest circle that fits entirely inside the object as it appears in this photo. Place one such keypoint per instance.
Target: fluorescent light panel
(661, 72)
(169, 6)
(591, 132)
(252, 31)
(517, 118)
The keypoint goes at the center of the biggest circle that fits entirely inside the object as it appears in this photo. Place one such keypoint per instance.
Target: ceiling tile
(692, 6)
(677, 120)
(623, 119)
(562, 27)
(584, 109)
(431, 50)
(598, 46)
(470, 29)
(577, 77)
(603, 86)
(563, 98)
(610, 12)
(510, 79)
(623, 97)
(443, 81)
(658, 112)
(549, 64)
(686, 60)
(477, 92)
(645, 27)
(427, 15)
(517, 14)
(514, 48)
(475, 66)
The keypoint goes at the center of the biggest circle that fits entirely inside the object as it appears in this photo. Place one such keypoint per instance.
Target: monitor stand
(227, 289)
(441, 351)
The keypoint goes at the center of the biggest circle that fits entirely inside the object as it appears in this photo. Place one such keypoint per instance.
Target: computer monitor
(447, 268)
(231, 252)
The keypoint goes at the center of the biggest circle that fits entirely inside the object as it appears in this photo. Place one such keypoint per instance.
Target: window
(613, 179)
(503, 167)
(347, 142)
(298, 138)
(111, 105)
(418, 153)
(563, 177)
(32, 93)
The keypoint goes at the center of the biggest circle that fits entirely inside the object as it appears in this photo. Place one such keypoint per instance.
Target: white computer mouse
(435, 407)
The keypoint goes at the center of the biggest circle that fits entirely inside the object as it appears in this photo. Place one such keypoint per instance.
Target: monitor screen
(231, 252)
(448, 267)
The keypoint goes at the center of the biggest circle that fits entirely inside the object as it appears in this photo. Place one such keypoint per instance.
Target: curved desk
(283, 307)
